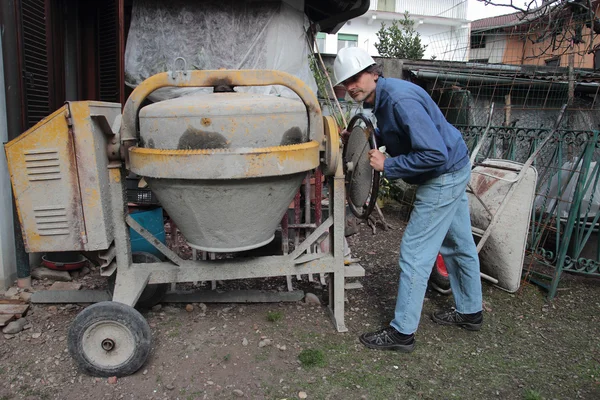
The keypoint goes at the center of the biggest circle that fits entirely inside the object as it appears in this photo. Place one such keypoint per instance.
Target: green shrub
(312, 358)
(274, 316)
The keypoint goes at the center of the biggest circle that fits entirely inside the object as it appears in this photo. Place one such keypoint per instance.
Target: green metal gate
(564, 223)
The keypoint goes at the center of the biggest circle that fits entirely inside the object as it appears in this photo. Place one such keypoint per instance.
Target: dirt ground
(528, 348)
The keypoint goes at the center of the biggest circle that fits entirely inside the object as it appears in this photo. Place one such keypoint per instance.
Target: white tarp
(569, 174)
(209, 34)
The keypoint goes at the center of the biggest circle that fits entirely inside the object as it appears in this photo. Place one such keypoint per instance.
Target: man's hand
(376, 159)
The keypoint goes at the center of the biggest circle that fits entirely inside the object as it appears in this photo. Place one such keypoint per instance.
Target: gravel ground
(528, 349)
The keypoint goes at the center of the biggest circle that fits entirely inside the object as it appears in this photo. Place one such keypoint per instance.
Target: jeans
(439, 221)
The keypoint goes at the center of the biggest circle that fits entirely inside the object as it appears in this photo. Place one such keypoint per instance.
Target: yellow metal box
(59, 175)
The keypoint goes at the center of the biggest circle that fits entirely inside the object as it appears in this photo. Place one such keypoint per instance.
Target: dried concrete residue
(195, 139)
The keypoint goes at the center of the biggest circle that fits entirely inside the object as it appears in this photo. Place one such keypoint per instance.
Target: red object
(63, 265)
(440, 265)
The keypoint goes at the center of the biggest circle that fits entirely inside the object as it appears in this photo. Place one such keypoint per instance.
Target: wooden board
(11, 301)
(6, 318)
(18, 310)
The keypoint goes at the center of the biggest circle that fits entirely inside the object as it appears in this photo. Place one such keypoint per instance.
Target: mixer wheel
(362, 181)
(109, 339)
(153, 293)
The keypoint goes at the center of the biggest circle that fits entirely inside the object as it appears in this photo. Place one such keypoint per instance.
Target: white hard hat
(350, 61)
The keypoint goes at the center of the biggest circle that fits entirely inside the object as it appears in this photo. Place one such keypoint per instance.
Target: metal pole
(14, 113)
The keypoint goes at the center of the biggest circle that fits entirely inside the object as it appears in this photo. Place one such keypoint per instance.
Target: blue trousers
(439, 221)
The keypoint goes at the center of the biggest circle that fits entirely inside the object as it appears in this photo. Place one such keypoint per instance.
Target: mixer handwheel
(109, 339)
(362, 182)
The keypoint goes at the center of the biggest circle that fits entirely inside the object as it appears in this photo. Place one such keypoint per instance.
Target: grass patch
(274, 316)
(312, 358)
(531, 394)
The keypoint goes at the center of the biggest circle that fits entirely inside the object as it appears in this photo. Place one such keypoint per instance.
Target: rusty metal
(318, 195)
(498, 190)
(71, 136)
(362, 181)
(332, 146)
(56, 188)
(209, 78)
(237, 163)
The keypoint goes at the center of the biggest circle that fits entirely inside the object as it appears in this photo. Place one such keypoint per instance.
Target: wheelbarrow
(501, 196)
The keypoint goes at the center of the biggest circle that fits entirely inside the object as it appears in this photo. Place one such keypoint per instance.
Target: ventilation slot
(51, 220)
(42, 165)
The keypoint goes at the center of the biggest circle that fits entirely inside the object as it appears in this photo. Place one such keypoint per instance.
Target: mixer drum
(225, 166)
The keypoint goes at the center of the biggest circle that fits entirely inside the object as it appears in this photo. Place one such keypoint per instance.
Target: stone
(264, 342)
(311, 298)
(238, 393)
(36, 335)
(65, 286)
(25, 296)
(84, 271)
(50, 274)
(112, 380)
(189, 308)
(302, 395)
(15, 326)
(12, 292)
(245, 342)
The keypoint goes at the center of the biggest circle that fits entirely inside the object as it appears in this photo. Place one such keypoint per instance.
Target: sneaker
(471, 322)
(388, 339)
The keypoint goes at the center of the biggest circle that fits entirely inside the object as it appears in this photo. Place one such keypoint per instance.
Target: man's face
(361, 87)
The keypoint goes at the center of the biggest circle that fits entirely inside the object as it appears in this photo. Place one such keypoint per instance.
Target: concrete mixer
(224, 165)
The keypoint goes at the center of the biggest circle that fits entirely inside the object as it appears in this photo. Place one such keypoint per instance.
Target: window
(386, 5)
(553, 62)
(480, 60)
(347, 40)
(478, 41)
(597, 59)
(320, 42)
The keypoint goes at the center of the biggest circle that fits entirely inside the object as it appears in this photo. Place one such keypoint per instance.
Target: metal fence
(564, 223)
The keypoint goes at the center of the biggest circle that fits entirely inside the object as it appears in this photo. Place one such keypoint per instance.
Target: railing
(456, 9)
(564, 223)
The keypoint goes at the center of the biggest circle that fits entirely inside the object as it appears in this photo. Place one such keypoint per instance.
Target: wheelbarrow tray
(502, 253)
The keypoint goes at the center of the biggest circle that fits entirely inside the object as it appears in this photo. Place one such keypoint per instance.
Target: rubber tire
(439, 282)
(112, 311)
(152, 294)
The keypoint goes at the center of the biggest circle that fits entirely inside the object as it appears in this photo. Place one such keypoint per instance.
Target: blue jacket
(423, 145)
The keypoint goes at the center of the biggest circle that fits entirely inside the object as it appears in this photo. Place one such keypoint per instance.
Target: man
(427, 151)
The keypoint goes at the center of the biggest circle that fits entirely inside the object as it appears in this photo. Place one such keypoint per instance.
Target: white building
(442, 24)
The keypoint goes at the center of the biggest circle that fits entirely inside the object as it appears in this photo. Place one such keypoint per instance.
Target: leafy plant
(274, 316)
(324, 91)
(400, 40)
(385, 189)
(533, 395)
(312, 358)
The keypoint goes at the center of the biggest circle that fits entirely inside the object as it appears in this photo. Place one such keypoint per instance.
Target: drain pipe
(12, 84)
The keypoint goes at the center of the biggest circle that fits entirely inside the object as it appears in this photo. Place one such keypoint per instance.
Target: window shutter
(36, 77)
(108, 52)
